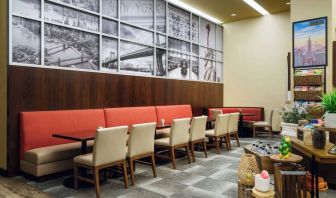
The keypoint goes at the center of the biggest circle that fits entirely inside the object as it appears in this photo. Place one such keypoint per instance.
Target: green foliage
(294, 113)
(329, 102)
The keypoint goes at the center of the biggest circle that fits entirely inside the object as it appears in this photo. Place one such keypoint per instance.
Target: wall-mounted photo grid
(134, 37)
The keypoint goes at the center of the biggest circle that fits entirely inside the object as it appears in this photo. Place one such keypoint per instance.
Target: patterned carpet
(215, 176)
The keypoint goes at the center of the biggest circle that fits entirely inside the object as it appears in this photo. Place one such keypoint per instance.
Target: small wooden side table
(281, 165)
(258, 194)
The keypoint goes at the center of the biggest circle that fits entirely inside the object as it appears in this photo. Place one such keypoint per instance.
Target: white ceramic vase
(330, 120)
(289, 129)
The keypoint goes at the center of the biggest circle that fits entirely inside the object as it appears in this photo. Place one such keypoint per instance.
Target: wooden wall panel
(36, 89)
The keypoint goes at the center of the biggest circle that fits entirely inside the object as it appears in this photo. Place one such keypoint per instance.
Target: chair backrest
(197, 128)
(109, 145)
(221, 124)
(275, 120)
(233, 122)
(215, 113)
(293, 184)
(179, 131)
(141, 139)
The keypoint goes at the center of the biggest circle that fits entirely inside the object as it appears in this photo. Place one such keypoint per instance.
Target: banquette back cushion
(170, 112)
(257, 111)
(129, 115)
(37, 127)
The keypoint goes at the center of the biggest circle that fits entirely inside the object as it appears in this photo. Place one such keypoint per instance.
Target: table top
(77, 135)
(321, 155)
(247, 114)
(293, 159)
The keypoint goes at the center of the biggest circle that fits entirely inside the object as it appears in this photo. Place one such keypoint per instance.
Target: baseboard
(3, 172)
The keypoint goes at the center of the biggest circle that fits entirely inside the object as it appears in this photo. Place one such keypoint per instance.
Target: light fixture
(195, 11)
(256, 6)
(233, 15)
(288, 3)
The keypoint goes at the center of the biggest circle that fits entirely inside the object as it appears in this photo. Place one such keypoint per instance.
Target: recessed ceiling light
(234, 14)
(256, 6)
(195, 11)
(288, 3)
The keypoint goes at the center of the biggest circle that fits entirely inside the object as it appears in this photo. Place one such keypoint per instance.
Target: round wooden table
(258, 194)
(293, 159)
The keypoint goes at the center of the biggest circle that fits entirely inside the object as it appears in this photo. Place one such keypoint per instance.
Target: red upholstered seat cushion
(37, 127)
(129, 115)
(170, 112)
(258, 111)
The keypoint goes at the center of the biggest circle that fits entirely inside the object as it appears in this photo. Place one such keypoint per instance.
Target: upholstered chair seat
(86, 159)
(162, 141)
(233, 126)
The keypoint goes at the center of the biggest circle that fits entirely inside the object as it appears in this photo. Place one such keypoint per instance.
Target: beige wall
(308, 9)
(255, 61)
(3, 85)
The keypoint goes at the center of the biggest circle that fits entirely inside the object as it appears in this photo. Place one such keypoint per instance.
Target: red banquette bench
(41, 154)
(257, 111)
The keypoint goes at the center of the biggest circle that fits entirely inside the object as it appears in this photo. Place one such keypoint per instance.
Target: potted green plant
(329, 105)
(291, 115)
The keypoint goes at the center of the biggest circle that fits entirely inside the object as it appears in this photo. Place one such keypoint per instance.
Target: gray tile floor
(215, 176)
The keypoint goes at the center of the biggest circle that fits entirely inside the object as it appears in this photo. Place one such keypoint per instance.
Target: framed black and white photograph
(160, 62)
(219, 70)
(63, 15)
(109, 54)
(110, 8)
(26, 41)
(207, 70)
(178, 65)
(65, 47)
(160, 40)
(110, 27)
(178, 45)
(138, 12)
(136, 34)
(161, 16)
(91, 5)
(194, 68)
(30, 8)
(134, 37)
(195, 29)
(135, 58)
(178, 22)
(219, 38)
(207, 33)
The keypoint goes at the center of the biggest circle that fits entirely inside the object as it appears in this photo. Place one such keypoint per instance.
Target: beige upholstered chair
(178, 138)
(233, 127)
(197, 134)
(220, 131)
(141, 145)
(215, 113)
(264, 124)
(109, 149)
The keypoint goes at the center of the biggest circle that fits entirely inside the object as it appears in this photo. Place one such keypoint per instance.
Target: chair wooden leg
(75, 176)
(254, 131)
(153, 164)
(125, 173)
(172, 156)
(217, 145)
(271, 131)
(188, 153)
(192, 151)
(96, 180)
(229, 141)
(131, 164)
(237, 138)
(205, 149)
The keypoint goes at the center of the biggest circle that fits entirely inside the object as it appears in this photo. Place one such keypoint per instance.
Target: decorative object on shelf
(248, 168)
(291, 115)
(262, 181)
(285, 148)
(305, 135)
(329, 105)
(310, 43)
(319, 138)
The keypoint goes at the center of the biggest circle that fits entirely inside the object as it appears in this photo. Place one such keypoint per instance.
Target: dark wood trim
(289, 69)
(334, 63)
(43, 89)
